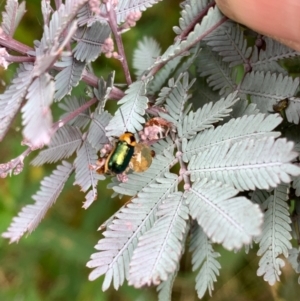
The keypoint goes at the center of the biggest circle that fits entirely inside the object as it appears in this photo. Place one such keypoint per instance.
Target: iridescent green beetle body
(119, 159)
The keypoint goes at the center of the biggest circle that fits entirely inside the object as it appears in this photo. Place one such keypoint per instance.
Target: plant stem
(114, 27)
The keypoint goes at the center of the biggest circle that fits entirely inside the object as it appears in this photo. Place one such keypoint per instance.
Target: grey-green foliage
(11, 99)
(275, 237)
(214, 96)
(126, 7)
(68, 77)
(144, 55)
(12, 16)
(204, 257)
(30, 216)
(90, 41)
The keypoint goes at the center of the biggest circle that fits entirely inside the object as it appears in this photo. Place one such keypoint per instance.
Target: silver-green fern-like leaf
(219, 75)
(266, 89)
(97, 135)
(85, 176)
(31, 215)
(204, 117)
(241, 108)
(51, 44)
(68, 77)
(238, 219)
(121, 236)
(275, 238)
(163, 161)
(85, 16)
(262, 60)
(202, 94)
(129, 117)
(127, 7)
(230, 43)
(103, 90)
(176, 98)
(259, 196)
(11, 99)
(292, 111)
(247, 127)
(161, 77)
(191, 10)
(63, 144)
(71, 104)
(36, 113)
(294, 255)
(212, 18)
(161, 245)
(203, 257)
(247, 164)
(164, 289)
(296, 185)
(12, 16)
(90, 42)
(144, 55)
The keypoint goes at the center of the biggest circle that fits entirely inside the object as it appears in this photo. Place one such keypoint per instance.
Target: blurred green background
(50, 263)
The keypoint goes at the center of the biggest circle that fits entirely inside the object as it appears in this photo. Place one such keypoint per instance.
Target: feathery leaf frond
(238, 220)
(213, 17)
(204, 257)
(120, 238)
(161, 245)
(293, 259)
(190, 11)
(247, 164)
(292, 112)
(296, 185)
(51, 44)
(247, 127)
(36, 113)
(63, 144)
(11, 99)
(229, 42)
(71, 104)
(90, 42)
(127, 7)
(85, 176)
(219, 75)
(176, 98)
(204, 117)
(97, 136)
(266, 89)
(68, 77)
(144, 55)
(276, 236)
(267, 59)
(164, 289)
(12, 16)
(130, 114)
(162, 76)
(259, 196)
(31, 215)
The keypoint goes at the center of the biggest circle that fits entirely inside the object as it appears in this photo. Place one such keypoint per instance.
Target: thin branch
(112, 20)
(189, 28)
(16, 165)
(184, 50)
(60, 123)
